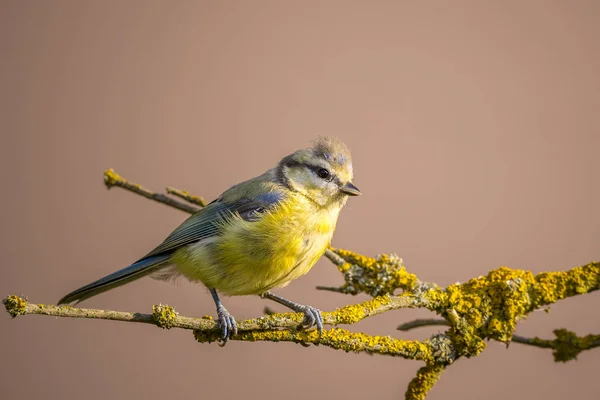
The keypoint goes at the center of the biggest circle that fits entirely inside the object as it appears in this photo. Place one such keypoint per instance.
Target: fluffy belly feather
(254, 257)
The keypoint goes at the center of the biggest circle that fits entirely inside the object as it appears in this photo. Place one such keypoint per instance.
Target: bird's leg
(226, 321)
(312, 315)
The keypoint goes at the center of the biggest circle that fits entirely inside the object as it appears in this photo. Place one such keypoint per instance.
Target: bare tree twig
(190, 198)
(111, 178)
(418, 323)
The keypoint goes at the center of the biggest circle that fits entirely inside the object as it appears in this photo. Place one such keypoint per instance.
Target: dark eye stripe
(289, 162)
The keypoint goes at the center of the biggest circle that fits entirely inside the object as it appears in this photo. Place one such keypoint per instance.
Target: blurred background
(475, 133)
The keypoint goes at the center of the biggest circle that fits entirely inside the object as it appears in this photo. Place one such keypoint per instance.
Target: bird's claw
(226, 324)
(312, 316)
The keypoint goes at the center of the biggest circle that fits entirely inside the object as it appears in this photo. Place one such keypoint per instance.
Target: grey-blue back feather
(207, 222)
(201, 225)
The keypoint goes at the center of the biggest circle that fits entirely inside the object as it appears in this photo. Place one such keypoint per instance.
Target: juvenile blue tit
(258, 235)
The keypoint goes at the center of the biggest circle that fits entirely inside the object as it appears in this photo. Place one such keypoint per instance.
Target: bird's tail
(135, 271)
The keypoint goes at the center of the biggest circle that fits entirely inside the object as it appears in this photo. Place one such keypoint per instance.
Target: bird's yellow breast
(254, 257)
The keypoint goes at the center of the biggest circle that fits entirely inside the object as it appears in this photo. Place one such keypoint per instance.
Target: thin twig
(418, 323)
(334, 289)
(536, 342)
(566, 346)
(111, 178)
(190, 198)
(334, 258)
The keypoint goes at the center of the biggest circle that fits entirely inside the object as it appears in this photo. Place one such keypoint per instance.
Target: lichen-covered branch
(486, 307)
(274, 328)
(163, 316)
(347, 315)
(421, 384)
(378, 276)
(342, 339)
(566, 346)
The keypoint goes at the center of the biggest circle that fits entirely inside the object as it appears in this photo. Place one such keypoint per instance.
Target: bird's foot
(312, 316)
(226, 324)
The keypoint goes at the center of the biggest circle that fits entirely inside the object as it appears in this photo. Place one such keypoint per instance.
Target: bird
(256, 236)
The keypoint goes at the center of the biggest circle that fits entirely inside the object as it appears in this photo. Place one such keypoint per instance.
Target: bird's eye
(323, 173)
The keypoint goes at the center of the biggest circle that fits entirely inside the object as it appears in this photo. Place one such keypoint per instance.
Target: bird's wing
(208, 221)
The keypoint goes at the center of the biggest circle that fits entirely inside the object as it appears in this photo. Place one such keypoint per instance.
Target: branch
(421, 384)
(274, 328)
(190, 198)
(342, 339)
(111, 178)
(566, 346)
(347, 315)
(419, 323)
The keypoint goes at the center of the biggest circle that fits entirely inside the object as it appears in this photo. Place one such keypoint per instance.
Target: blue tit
(258, 235)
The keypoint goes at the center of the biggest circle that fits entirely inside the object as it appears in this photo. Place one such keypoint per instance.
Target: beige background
(475, 134)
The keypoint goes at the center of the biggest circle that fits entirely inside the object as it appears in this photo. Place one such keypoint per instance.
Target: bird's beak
(350, 189)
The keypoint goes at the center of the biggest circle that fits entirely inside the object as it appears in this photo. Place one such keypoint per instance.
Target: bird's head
(323, 172)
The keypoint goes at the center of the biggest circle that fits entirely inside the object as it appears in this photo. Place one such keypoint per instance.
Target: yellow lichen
(335, 338)
(375, 276)
(488, 307)
(164, 315)
(568, 345)
(353, 313)
(553, 286)
(484, 308)
(15, 305)
(426, 377)
(111, 178)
